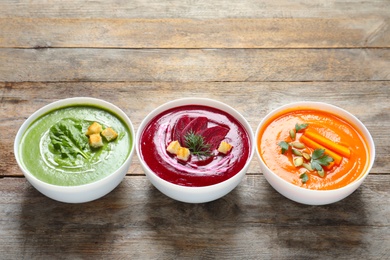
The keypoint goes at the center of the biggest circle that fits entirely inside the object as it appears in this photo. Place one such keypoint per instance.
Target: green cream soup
(56, 150)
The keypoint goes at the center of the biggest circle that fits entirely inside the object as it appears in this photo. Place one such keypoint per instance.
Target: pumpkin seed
(307, 166)
(298, 161)
(298, 145)
(292, 134)
(296, 152)
(306, 156)
(321, 173)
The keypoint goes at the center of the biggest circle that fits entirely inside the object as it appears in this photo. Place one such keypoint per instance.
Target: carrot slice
(330, 166)
(335, 147)
(307, 141)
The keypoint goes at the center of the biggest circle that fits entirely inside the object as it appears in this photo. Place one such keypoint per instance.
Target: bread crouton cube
(224, 147)
(183, 154)
(173, 147)
(109, 134)
(95, 140)
(94, 128)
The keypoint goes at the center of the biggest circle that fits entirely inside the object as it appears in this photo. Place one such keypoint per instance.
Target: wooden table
(255, 56)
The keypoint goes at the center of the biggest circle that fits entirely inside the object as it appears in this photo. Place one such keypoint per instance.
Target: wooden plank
(201, 9)
(194, 65)
(195, 33)
(366, 100)
(137, 221)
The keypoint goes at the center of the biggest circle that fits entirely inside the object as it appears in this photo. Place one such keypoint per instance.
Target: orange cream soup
(328, 125)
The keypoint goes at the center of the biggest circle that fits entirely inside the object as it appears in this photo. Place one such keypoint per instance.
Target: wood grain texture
(138, 54)
(195, 33)
(254, 102)
(252, 222)
(202, 9)
(184, 65)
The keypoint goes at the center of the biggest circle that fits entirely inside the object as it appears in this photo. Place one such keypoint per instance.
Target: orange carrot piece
(330, 166)
(307, 141)
(329, 144)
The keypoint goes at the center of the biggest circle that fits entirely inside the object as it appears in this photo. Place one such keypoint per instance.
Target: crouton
(95, 140)
(183, 154)
(224, 147)
(94, 128)
(173, 147)
(109, 134)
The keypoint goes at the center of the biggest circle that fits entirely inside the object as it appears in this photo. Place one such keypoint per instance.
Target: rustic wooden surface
(253, 55)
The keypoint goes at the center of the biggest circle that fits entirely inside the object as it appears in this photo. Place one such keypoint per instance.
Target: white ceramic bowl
(195, 194)
(316, 197)
(85, 192)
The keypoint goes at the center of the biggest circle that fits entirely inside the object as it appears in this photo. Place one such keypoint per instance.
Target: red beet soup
(185, 124)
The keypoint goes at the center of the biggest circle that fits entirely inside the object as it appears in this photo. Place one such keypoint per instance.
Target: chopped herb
(284, 145)
(196, 144)
(319, 159)
(299, 127)
(304, 177)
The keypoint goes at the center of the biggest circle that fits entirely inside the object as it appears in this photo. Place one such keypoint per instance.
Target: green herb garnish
(319, 159)
(284, 145)
(312, 162)
(196, 144)
(299, 127)
(68, 140)
(304, 177)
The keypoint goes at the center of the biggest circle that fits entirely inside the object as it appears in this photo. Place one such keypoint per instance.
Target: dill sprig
(196, 144)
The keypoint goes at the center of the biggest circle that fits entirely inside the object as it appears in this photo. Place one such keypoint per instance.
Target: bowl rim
(203, 102)
(353, 120)
(62, 103)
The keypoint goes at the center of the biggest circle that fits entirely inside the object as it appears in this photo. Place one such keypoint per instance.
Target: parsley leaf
(299, 127)
(317, 153)
(304, 177)
(284, 145)
(319, 159)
